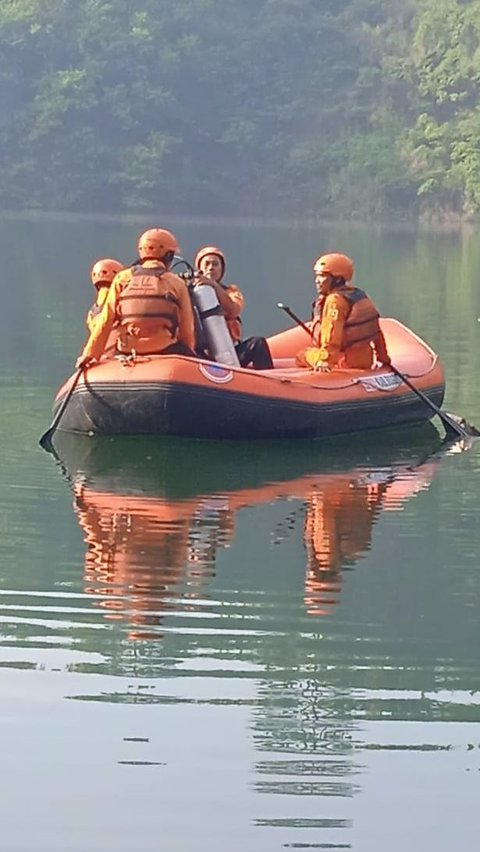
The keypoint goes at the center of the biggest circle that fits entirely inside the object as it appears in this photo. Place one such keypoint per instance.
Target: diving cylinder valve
(220, 343)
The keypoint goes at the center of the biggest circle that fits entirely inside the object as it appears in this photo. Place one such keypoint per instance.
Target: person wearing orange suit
(210, 261)
(102, 274)
(149, 305)
(346, 330)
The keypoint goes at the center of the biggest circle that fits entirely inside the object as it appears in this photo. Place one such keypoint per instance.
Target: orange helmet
(337, 265)
(104, 271)
(201, 253)
(155, 243)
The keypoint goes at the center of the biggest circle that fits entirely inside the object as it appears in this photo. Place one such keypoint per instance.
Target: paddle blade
(468, 428)
(46, 440)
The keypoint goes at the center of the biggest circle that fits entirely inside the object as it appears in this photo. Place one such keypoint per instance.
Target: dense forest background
(252, 108)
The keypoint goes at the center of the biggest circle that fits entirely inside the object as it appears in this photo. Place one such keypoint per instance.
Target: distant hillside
(266, 108)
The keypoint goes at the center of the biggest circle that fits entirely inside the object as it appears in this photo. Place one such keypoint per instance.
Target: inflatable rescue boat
(198, 398)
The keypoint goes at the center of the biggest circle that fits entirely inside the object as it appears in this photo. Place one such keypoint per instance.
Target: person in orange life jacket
(210, 262)
(346, 331)
(102, 274)
(149, 306)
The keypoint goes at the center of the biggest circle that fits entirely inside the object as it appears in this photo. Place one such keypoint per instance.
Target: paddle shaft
(450, 426)
(46, 439)
(294, 317)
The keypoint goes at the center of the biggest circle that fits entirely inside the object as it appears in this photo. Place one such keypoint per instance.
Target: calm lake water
(235, 647)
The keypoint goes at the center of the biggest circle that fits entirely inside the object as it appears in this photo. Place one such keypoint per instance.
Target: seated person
(210, 262)
(147, 307)
(345, 331)
(102, 274)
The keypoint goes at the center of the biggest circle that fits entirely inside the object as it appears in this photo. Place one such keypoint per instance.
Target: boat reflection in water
(155, 513)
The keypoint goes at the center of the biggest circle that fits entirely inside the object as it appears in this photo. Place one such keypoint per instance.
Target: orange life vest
(361, 324)
(148, 303)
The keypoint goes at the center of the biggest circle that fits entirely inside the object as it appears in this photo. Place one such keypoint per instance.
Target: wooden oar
(451, 427)
(46, 439)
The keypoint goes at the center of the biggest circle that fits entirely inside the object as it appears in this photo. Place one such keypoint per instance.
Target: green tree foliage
(264, 107)
(441, 148)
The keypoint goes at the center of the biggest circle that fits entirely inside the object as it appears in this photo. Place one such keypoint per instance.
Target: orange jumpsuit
(96, 308)
(253, 350)
(157, 335)
(232, 315)
(347, 334)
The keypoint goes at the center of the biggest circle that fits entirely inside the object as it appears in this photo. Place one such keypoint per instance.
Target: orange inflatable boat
(194, 398)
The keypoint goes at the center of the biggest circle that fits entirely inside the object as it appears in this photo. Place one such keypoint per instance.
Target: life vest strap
(359, 322)
(212, 312)
(148, 315)
(166, 297)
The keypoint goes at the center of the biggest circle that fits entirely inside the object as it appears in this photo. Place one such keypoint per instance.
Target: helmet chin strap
(168, 258)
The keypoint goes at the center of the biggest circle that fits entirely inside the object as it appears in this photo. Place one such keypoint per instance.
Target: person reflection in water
(338, 529)
(145, 556)
(339, 523)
